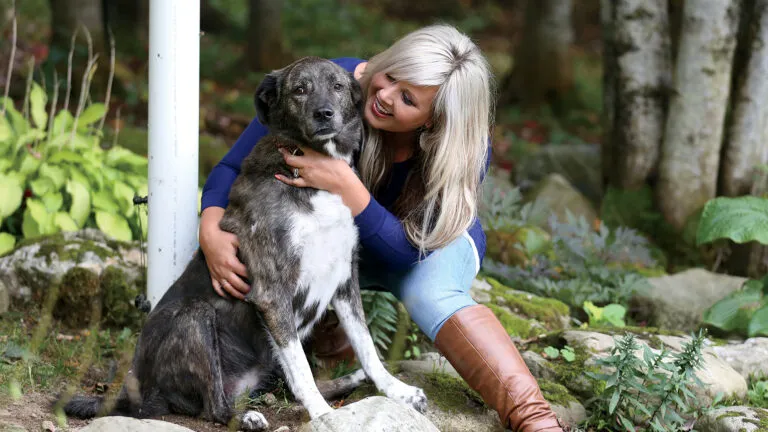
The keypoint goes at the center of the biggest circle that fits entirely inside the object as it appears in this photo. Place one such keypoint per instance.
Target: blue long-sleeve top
(381, 233)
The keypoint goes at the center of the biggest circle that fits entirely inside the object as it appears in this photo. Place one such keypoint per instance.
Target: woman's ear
(266, 95)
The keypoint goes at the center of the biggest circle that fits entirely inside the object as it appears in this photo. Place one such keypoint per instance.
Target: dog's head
(314, 101)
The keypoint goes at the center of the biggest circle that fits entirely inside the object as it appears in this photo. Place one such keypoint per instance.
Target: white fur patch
(247, 382)
(325, 238)
(300, 379)
(330, 147)
(254, 421)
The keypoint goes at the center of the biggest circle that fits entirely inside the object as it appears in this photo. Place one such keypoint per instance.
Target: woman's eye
(407, 100)
(389, 77)
(338, 87)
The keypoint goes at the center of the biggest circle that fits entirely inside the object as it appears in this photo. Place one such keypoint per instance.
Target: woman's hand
(322, 172)
(220, 249)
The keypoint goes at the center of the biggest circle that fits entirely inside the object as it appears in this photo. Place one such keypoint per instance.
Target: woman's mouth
(378, 109)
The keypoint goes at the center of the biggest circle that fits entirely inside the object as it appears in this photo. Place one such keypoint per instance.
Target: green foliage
(758, 394)
(501, 207)
(567, 352)
(381, 317)
(610, 315)
(649, 393)
(57, 177)
(744, 311)
(741, 219)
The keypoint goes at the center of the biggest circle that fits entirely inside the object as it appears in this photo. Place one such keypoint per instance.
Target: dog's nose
(325, 113)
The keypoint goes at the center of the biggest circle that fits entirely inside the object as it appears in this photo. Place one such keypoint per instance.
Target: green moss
(78, 290)
(118, 294)
(450, 393)
(69, 250)
(515, 325)
(546, 310)
(555, 393)
(761, 422)
(573, 374)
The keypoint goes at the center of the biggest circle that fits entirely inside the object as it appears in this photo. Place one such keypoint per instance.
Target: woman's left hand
(323, 172)
(315, 170)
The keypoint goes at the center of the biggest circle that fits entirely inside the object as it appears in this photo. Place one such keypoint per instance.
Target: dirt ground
(32, 410)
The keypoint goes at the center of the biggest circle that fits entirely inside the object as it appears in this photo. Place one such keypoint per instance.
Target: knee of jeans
(430, 312)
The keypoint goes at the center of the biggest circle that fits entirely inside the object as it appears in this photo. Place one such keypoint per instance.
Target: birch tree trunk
(607, 12)
(691, 148)
(747, 141)
(643, 76)
(542, 72)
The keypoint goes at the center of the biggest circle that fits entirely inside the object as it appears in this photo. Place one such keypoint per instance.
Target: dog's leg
(290, 354)
(349, 308)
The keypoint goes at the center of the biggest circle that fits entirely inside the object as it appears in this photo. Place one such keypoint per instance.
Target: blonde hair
(439, 200)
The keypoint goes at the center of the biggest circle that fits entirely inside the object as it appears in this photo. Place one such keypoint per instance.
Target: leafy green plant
(567, 352)
(649, 393)
(611, 315)
(55, 175)
(741, 219)
(758, 394)
(381, 317)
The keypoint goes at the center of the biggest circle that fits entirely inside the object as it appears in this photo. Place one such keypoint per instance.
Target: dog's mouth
(324, 134)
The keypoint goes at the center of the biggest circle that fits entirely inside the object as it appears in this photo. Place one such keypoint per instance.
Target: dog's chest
(325, 239)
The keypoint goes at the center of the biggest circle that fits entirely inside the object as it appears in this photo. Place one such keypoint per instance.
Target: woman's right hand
(220, 249)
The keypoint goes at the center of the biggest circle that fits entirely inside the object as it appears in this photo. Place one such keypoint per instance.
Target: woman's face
(398, 106)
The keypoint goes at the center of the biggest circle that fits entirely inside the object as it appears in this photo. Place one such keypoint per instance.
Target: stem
(10, 63)
(69, 69)
(25, 105)
(53, 106)
(85, 87)
(111, 77)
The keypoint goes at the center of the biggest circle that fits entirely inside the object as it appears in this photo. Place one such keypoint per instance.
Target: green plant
(567, 352)
(649, 393)
(381, 317)
(740, 219)
(612, 314)
(758, 394)
(55, 175)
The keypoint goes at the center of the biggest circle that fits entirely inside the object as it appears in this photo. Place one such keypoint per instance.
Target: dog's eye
(338, 86)
(300, 90)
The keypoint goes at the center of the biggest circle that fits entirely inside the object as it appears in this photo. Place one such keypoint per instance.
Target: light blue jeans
(435, 288)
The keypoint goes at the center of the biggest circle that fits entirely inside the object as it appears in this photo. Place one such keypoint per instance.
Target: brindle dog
(198, 351)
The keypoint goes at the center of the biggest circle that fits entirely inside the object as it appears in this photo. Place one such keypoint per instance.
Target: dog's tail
(86, 407)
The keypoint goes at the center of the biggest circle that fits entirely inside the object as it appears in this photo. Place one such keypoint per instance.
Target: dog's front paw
(410, 396)
(254, 421)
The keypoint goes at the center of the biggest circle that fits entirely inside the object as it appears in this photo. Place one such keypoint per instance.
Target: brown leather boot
(330, 344)
(475, 343)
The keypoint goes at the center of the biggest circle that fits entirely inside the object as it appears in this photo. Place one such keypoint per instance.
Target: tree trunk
(265, 36)
(641, 52)
(607, 12)
(748, 133)
(690, 153)
(67, 15)
(543, 70)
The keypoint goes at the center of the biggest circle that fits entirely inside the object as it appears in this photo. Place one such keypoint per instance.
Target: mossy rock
(78, 297)
(555, 393)
(118, 293)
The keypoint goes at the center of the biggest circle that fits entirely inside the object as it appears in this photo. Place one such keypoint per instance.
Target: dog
(197, 351)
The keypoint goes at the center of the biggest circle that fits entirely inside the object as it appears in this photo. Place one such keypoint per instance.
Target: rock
(84, 257)
(269, 399)
(572, 415)
(747, 358)
(282, 429)
(733, 419)
(554, 195)
(677, 302)
(5, 300)
(129, 424)
(430, 362)
(373, 414)
(579, 164)
(538, 365)
(48, 426)
(485, 421)
(11, 427)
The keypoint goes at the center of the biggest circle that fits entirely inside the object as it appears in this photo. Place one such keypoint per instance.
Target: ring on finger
(296, 173)
(223, 282)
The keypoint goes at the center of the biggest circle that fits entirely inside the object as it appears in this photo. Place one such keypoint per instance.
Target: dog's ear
(357, 93)
(266, 95)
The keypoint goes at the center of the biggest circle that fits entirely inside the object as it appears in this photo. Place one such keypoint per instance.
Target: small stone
(269, 399)
(48, 426)
(282, 429)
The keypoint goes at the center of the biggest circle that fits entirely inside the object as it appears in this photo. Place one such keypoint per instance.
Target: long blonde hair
(439, 200)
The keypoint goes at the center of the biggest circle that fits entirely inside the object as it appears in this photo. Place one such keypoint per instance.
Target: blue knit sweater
(381, 233)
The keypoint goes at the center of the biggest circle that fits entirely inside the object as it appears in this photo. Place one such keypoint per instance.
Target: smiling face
(398, 106)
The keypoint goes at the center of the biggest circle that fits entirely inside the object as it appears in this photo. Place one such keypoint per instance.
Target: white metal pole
(174, 77)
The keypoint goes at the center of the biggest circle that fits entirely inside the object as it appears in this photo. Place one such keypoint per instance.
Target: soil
(33, 409)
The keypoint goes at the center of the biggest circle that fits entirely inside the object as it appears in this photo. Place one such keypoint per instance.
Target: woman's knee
(430, 309)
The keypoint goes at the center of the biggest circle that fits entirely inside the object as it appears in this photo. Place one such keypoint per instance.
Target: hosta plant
(742, 219)
(55, 175)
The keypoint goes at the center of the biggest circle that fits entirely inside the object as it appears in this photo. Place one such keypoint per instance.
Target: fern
(381, 317)
(740, 219)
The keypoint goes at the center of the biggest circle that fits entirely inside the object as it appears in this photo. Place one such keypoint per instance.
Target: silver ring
(224, 282)
(295, 173)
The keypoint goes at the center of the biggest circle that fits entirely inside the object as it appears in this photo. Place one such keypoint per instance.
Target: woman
(428, 110)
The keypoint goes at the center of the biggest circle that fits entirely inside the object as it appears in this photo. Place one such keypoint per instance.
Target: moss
(78, 290)
(118, 294)
(69, 250)
(761, 422)
(555, 393)
(546, 310)
(514, 325)
(573, 374)
(450, 393)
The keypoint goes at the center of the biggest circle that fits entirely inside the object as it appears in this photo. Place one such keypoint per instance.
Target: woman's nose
(386, 93)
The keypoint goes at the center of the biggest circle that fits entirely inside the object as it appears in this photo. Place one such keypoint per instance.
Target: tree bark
(643, 77)
(542, 72)
(748, 133)
(690, 153)
(607, 13)
(265, 36)
(67, 15)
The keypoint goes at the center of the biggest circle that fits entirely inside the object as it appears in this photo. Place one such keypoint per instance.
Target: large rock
(678, 302)
(80, 264)
(733, 419)
(129, 424)
(747, 358)
(579, 164)
(373, 414)
(554, 195)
